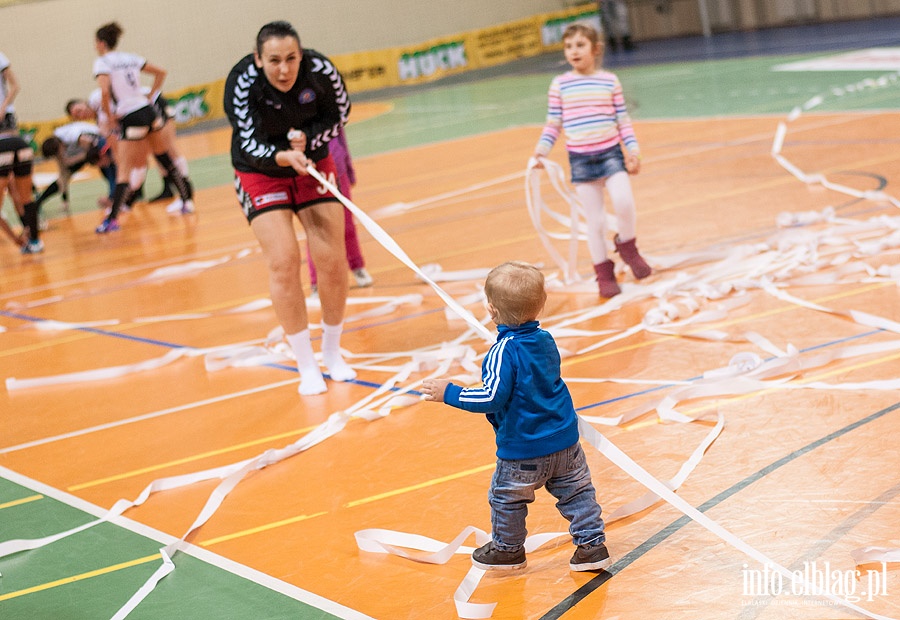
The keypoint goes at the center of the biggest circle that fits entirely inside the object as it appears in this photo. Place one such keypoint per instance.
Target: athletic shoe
(164, 194)
(175, 206)
(590, 557)
(107, 226)
(33, 247)
(188, 207)
(362, 277)
(489, 557)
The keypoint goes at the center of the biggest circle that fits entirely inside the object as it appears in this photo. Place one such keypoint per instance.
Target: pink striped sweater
(591, 110)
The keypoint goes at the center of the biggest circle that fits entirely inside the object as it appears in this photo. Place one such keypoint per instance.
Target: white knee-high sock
(619, 188)
(182, 164)
(591, 197)
(331, 353)
(311, 379)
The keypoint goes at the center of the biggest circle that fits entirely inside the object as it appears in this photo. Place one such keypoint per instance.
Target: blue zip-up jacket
(523, 394)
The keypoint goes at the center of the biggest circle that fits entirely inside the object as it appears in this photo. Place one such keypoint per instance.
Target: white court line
(124, 271)
(825, 501)
(213, 559)
(146, 416)
(401, 208)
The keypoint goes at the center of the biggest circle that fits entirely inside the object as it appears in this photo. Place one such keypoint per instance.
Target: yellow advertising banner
(196, 104)
(438, 58)
(371, 70)
(365, 70)
(511, 41)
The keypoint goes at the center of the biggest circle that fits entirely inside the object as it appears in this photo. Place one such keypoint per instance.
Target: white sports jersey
(4, 64)
(70, 132)
(95, 102)
(124, 71)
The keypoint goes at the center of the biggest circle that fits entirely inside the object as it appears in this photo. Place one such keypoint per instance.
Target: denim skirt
(588, 167)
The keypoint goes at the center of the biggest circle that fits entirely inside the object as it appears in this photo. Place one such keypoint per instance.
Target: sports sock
(331, 353)
(311, 379)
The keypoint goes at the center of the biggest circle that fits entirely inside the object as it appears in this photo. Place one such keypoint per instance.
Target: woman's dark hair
(109, 34)
(71, 104)
(51, 147)
(275, 30)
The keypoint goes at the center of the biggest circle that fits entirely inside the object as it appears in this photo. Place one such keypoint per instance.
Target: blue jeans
(595, 166)
(567, 478)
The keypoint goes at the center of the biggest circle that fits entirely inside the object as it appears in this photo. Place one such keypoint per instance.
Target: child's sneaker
(362, 277)
(33, 247)
(107, 226)
(175, 207)
(590, 557)
(490, 558)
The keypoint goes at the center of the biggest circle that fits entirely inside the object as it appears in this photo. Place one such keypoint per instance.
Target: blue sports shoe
(107, 226)
(33, 247)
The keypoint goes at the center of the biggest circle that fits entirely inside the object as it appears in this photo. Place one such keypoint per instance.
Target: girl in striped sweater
(588, 105)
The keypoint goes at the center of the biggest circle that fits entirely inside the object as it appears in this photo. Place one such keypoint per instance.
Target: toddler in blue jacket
(536, 427)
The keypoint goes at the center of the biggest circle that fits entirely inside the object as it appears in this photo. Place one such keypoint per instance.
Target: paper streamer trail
(391, 246)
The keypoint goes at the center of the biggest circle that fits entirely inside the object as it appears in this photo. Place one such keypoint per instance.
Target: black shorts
(15, 156)
(137, 125)
(163, 109)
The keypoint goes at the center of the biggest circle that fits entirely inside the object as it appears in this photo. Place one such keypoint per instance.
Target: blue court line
(648, 545)
(695, 378)
(172, 345)
(371, 384)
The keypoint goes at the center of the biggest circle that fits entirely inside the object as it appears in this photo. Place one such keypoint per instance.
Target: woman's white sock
(311, 379)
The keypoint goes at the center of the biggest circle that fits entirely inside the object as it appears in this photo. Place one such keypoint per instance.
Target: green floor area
(459, 108)
(91, 574)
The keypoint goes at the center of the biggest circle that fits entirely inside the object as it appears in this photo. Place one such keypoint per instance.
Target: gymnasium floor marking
(274, 585)
(655, 540)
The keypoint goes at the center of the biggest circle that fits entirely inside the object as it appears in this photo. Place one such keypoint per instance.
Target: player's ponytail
(109, 34)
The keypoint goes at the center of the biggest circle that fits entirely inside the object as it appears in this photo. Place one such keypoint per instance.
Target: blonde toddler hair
(516, 290)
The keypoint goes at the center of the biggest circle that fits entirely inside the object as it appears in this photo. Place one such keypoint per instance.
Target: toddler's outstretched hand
(433, 389)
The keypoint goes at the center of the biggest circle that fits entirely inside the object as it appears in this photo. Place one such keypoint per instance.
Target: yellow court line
(42, 345)
(789, 179)
(19, 502)
(261, 528)
(731, 399)
(421, 485)
(81, 577)
(741, 319)
(359, 502)
(819, 377)
(188, 459)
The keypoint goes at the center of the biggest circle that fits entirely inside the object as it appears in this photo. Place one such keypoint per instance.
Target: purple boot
(606, 279)
(629, 253)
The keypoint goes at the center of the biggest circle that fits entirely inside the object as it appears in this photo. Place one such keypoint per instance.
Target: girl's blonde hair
(516, 290)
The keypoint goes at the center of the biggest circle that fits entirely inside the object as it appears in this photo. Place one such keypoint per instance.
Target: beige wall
(197, 41)
(657, 19)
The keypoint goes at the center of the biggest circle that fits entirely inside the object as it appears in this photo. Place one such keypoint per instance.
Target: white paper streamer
(868, 555)
(97, 375)
(796, 112)
(391, 246)
(396, 543)
(626, 464)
